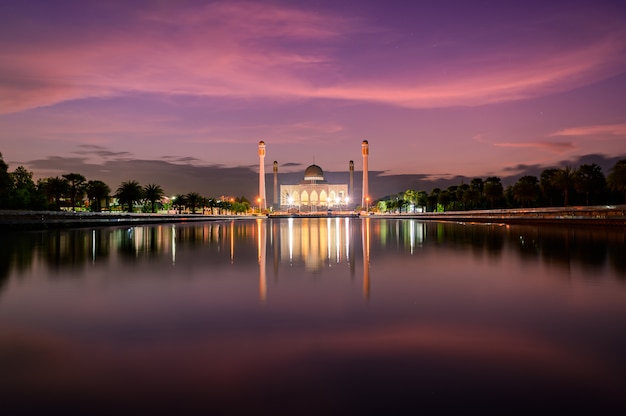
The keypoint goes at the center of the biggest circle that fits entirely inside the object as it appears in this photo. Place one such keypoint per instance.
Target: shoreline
(42, 220)
(605, 215)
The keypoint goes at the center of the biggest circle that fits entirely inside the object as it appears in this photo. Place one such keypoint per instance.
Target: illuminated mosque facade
(313, 192)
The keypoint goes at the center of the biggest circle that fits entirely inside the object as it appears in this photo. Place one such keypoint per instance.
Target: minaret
(351, 188)
(262, 198)
(275, 184)
(365, 151)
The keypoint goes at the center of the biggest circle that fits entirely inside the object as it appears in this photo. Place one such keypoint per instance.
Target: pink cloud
(246, 50)
(555, 147)
(596, 130)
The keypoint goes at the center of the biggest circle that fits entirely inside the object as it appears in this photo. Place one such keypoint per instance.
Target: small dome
(313, 173)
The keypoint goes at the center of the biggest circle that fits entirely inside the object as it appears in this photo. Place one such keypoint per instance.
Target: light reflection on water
(313, 315)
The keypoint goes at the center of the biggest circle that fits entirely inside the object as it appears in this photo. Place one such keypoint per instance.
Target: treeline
(74, 192)
(585, 185)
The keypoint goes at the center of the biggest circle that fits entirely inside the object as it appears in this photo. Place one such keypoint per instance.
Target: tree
(24, 193)
(193, 201)
(564, 180)
(433, 197)
(153, 193)
(493, 190)
(460, 191)
(526, 190)
(589, 179)
(471, 198)
(617, 177)
(128, 193)
(548, 189)
(5, 183)
(76, 187)
(179, 202)
(422, 199)
(55, 189)
(444, 199)
(97, 191)
(454, 196)
(411, 196)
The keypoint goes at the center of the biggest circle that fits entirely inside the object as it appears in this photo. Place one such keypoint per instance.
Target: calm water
(313, 316)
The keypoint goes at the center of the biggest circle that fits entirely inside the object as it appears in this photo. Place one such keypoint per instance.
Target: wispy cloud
(243, 50)
(555, 147)
(596, 131)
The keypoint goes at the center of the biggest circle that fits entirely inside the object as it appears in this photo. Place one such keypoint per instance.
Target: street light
(367, 202)
(259, 201)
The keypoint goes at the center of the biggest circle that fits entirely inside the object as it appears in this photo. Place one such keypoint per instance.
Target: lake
(313, 316)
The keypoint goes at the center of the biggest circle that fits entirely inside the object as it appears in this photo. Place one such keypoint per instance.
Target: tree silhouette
(444, 198)
(564, 180)
(526, 190)
(179, 202)
(493, 189)
(24, 193)
(128, 193)
(76, 187)
(193, 201)
(548, 189)
(97, 191)
(5, 183)
(433, 197)
(589, 179)
(55, 188)
(617, 177)
(153, 193)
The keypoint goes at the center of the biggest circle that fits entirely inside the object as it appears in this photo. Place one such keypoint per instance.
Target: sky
(180, 92)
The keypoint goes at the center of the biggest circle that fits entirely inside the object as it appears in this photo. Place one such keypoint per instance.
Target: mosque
(313, 192)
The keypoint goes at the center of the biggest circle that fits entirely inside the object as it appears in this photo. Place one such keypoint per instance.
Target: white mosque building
(313, 192)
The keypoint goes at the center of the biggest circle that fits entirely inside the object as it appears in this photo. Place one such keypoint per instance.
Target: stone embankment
(612, 215)
(31, 220)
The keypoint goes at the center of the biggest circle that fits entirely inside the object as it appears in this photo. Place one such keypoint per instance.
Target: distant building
(314, 192)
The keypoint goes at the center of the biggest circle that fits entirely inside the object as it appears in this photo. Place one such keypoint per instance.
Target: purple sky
(179, 92)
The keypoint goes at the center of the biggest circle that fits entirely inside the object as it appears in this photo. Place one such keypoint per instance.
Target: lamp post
(367, 203)
(259, 201)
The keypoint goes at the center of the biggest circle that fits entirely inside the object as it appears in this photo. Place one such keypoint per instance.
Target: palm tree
(76, 184)
(55, 188)
(179, 201)
(153, 193)
(617, 177)
(193, 201)
(128, 193)
(493, 189)
(564, 180)
(590, 180)
(98, 191)
(548, 189)
(526, 190)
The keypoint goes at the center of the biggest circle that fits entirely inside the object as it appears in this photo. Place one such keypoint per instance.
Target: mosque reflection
(306, 246)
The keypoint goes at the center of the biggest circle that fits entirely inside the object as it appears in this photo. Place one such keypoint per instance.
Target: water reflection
(342, 315)
(314, 243)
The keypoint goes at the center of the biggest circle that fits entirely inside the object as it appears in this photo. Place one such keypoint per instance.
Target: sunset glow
(178, 92)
